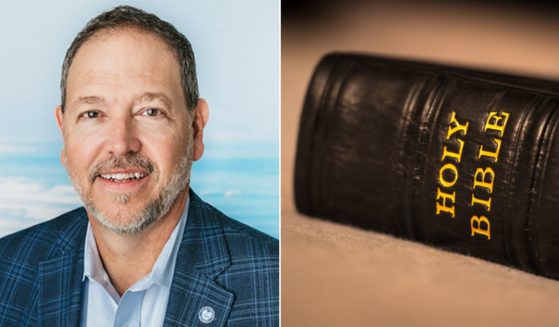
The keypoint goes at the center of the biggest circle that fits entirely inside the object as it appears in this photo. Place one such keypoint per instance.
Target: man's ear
(59, 116)
(201, 115)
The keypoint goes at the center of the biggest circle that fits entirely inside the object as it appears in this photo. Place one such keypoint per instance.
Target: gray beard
(153, 211)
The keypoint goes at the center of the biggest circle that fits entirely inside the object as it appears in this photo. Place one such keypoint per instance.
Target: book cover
(457, 158)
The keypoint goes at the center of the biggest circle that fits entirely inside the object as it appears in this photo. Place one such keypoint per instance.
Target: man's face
(128, 137)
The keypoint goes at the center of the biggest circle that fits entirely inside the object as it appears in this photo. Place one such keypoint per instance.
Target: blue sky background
(236, 44)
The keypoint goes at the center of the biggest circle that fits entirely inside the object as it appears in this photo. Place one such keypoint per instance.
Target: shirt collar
(162, 271)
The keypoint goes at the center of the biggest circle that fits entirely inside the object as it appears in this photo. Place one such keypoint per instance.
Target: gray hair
(127, 16)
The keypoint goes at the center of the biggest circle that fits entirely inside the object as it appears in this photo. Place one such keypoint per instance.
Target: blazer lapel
(195, 298)
(60, 296)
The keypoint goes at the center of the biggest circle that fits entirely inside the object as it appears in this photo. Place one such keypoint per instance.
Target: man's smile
(123, 180)
(123, 177)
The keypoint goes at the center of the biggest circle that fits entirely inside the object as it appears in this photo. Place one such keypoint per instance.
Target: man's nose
(122, 137)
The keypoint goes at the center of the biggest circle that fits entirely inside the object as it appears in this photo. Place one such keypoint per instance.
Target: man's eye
(152, 112)
(90, 114)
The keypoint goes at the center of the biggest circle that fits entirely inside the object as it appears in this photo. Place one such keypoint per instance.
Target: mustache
(127, 161)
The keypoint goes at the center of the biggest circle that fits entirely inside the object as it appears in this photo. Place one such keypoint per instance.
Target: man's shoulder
(250, 263)
(41, 241)
(243, 241)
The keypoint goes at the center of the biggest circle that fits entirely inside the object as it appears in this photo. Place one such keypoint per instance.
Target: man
(145, 250)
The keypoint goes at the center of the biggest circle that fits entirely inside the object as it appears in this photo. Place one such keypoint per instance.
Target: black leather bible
(457, 158)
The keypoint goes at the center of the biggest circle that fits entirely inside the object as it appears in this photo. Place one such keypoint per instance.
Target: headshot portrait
(140, 165)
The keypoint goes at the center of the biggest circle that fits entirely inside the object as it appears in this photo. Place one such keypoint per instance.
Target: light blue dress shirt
(145, 302)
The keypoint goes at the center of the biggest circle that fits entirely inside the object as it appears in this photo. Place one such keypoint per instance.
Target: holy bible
(457, 158)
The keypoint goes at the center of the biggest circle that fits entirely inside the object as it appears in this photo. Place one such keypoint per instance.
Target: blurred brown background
(334, 275)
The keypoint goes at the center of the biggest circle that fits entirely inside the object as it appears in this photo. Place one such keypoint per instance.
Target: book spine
(456, 158)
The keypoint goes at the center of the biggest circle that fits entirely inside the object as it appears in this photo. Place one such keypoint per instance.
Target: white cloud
(24, 202)
(5, 148)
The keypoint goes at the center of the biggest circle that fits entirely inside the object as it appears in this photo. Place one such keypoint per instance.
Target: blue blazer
(221, 263)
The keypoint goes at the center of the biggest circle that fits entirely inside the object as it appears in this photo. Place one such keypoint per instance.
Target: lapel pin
(206, 314)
